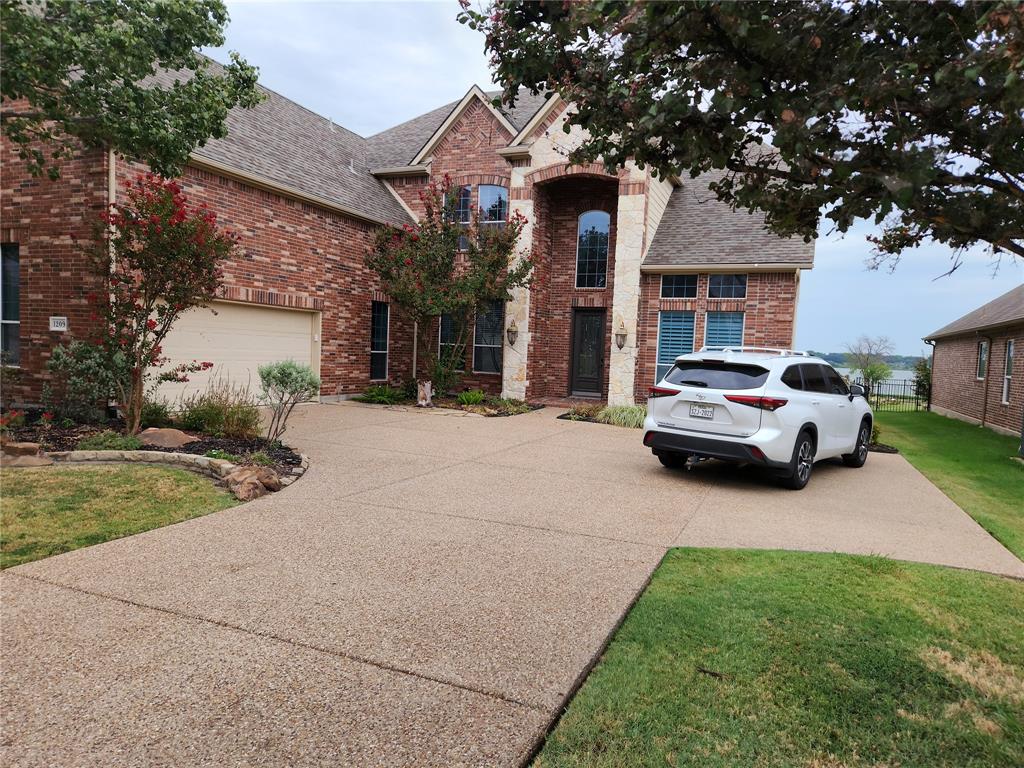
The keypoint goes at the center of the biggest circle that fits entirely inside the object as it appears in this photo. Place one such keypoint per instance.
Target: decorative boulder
(24, 455)
(249, 483)
(165, 438)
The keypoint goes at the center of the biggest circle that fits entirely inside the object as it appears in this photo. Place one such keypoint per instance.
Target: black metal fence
(895, 395)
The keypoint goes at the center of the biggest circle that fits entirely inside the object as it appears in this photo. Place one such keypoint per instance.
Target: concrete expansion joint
(287, 641)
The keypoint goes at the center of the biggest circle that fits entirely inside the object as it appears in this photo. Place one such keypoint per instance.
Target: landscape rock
(242, 480)
(166, 437)
(21, 449)
(248, 490)
(38, 460)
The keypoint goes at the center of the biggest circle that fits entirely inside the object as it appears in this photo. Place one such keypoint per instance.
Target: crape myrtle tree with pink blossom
(445, 265)
(155, 258)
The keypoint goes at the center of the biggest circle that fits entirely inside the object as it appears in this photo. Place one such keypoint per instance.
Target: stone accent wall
(52, 222)
(769, 310)
(957, 391)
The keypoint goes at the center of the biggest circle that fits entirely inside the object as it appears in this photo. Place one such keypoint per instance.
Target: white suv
(771, 407)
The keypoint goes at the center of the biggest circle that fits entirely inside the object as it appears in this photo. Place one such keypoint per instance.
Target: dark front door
(587, 351)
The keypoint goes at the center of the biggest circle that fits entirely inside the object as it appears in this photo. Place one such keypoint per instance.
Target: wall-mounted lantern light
(620, 335)
(512, 332)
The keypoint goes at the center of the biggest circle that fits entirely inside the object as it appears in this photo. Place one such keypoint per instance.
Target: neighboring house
(657, 264)
(978, 365)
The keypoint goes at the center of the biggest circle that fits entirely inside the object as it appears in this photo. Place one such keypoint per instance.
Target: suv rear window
(717, 375)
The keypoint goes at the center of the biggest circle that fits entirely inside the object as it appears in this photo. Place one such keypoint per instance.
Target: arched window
(592, 249)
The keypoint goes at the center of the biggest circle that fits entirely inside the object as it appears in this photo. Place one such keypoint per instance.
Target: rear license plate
(702, 411)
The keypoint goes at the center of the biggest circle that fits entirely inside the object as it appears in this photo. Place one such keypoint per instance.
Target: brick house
(656, 265)
(978, 365)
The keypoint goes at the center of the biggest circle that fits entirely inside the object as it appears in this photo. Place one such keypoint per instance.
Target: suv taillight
(764, 403)
(661, 392)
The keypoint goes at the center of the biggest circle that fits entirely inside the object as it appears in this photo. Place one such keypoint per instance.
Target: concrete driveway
(430, 593)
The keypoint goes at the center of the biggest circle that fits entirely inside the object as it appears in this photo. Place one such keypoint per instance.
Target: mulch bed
(56, 438)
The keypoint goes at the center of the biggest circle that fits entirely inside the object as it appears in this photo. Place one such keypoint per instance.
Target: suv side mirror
(856, 390)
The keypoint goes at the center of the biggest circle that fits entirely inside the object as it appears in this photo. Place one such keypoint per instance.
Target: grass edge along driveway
(51, 510)
(768, 658)
(970, 464)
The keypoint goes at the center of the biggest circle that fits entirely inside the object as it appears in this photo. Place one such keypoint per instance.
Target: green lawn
(971, 465)
(753, 658)
(48, 511)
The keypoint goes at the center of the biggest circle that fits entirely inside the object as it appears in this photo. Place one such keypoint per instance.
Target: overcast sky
(370, 65)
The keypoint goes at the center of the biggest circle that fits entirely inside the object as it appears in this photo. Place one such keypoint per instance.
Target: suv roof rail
(772, 350)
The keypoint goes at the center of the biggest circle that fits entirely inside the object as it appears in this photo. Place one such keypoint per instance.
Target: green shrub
(875, 433)
(261, 458)
(382, 394)
(109, 441)
(583, 411)
(156, 413)
(217, 453)
(223, 410)
(472, 397)
(623, 415)
(82, 380)
(284, 386)
(508, 405)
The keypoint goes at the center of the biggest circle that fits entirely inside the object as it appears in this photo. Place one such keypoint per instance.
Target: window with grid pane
(982, 359)
(678, 286)
(379, 341)
(675, 337)
(592, 249)
(493, 206)
(462, 213)
(10, 286)
(727, 287)
(723, 329)
(447, 339)
(487, 338)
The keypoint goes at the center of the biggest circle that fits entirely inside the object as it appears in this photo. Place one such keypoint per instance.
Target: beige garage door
(237, 340)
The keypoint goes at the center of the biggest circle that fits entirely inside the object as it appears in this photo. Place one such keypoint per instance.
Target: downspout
(988, 369)
(931, 373)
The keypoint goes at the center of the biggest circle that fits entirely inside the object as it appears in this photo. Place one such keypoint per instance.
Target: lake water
(896, 375)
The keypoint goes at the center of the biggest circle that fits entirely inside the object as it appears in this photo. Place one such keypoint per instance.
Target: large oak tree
(907, 113)
(86, 70)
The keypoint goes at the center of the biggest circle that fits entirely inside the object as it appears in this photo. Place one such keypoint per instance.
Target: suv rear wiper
(694, 383)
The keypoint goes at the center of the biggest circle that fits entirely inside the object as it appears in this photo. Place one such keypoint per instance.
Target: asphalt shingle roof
(696, 229)
(397, 146)
(1005, 310)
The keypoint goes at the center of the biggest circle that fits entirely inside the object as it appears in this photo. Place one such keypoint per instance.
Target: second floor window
(592, 249)
(493, 206)
(463, 213)
(727, 287)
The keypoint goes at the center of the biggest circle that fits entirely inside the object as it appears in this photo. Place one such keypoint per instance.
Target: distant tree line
(896, 362)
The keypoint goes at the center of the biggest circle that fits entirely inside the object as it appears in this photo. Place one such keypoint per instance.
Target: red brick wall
(557, 207)
(956, 388)
(295, 254)
(51, 221)
(291, 254)
(769, 311)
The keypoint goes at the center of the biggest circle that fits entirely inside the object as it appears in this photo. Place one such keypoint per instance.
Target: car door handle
(815, 402)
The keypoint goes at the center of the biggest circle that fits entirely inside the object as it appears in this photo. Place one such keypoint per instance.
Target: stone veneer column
(514, 359)
(629, 242)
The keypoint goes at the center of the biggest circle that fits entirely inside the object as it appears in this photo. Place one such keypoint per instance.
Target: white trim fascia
(402, 170)
(746, 268)
(472, 93)
(537, 119)
(282, 189)
(401, 202)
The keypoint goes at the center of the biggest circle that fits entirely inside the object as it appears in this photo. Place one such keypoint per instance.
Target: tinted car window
(814, 378)
(791, 377)
(836, 385)
(717, 375)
